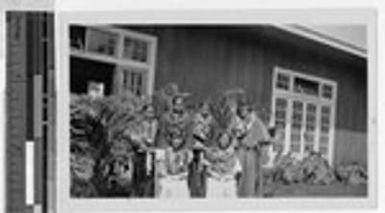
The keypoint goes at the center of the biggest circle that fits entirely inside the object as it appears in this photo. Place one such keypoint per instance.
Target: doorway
(304, 109)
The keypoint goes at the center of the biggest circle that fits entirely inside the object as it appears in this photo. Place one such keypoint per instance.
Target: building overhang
(324, 39)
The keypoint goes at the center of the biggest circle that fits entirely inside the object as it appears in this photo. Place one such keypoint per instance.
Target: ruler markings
(26, 57)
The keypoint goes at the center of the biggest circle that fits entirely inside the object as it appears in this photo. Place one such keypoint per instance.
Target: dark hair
(272, 131)
(175, 99)
(242, 105)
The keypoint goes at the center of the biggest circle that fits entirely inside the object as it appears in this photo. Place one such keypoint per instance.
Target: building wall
(204, 60)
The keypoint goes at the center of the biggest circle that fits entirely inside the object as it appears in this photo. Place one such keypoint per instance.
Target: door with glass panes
(307, 120)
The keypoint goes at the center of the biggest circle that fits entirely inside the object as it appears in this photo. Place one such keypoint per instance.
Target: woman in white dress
(223, 169)
(173, 170)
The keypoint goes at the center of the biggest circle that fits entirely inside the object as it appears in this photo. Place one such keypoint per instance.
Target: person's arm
(180, 176)
(154, 131)
(237, 171)
(189, 156)
(213, 174)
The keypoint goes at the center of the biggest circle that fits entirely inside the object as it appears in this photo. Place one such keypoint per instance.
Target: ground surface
(333, 190)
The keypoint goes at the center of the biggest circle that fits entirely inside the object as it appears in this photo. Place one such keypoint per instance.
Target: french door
(307, 126)
(303, 109)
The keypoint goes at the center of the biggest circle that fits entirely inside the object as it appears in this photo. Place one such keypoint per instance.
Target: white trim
(107, 59)
(320, 37)
(152, 61)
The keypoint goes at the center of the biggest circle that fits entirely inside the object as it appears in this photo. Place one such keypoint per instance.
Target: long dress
(173, 175)
(248, 154)
(201, 133)
(144, 159)
(222, 170)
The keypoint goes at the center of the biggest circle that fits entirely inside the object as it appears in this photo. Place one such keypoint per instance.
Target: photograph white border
(277, 16)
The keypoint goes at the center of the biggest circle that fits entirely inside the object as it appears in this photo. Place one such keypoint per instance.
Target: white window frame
(118, 60)
(291, 95)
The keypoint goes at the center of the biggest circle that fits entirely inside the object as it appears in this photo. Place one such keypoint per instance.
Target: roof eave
(325, 39)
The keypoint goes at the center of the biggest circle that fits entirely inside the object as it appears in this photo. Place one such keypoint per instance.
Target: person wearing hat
(202, 132)
(249, 130)
(174, 171)
(144, 156)
(223, 167)
(174, 138)
(175, 117)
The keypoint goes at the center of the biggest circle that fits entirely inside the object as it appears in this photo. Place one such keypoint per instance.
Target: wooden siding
(202, 60)
(350, 147)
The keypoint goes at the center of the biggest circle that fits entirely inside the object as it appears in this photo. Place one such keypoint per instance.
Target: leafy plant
(102, 129)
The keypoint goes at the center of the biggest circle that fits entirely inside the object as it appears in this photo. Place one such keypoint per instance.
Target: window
(305, 86)
(135, 50)
(325, 129)
(283, 81)
(102, 42)
(311, 126)
(296, 126)
(327, 91)
(132, 55)
(78, 38)
(281, 106)
(304, 108)
(134, 81)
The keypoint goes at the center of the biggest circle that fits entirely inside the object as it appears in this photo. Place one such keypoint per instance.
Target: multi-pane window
(310, 126)
(281, 107)
(134, 81)
(101, 42)
(135, 50)
(132, 55)
(305, 86)
(78, 38)
(327, 91)
(296, 126)
(280, 112)
(283, 81)
(304, 107)
(325, 129)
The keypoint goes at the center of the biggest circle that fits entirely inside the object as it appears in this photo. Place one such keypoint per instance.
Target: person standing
(249, 130)
(174, 145)
(173, 173)
(144, 156)
(202, 132)
(223, 168)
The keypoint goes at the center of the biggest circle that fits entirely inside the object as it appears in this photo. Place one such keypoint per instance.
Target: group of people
(195, 155)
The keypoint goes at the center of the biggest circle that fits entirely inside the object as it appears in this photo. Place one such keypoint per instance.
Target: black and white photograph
(260, 109)
(218, 111)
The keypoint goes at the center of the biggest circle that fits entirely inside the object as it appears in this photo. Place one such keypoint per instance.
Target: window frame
(295, 74)
(290, 95)
(119, 60)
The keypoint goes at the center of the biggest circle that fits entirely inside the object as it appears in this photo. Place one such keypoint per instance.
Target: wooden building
(316, 91)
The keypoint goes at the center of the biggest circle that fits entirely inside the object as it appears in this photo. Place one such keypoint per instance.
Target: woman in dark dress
(202, 132)
(144, 170)
(250, 131)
